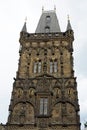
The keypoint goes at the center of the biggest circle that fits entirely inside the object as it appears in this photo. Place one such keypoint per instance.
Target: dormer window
(47, 29)
(48, 18)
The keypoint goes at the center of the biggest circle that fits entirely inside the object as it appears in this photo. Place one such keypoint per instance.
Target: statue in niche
(69, 91)
(57, 92)
(31, 92)
(18, 92)
(22, 115)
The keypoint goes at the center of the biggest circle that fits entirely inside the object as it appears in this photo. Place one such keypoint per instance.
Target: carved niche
(31, 92)
(57, 89)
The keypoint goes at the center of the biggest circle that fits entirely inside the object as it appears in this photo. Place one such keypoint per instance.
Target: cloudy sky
(12, 16)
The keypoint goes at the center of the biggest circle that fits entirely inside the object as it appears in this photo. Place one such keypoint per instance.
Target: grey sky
(12, 15)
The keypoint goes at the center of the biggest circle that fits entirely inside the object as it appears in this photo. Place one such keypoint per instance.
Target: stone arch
(23, 113)
(71, 113)
(16, 113)
(29, 113)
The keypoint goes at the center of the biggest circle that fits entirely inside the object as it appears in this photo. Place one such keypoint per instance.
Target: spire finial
(42, 9)
(68, 17)
(55, 8)
(25, 19)
(69, 24)
(24, 29)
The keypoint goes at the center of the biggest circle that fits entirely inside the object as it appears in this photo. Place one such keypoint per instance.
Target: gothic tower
(44, 95)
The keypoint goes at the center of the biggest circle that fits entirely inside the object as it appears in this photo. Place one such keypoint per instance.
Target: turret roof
(69, 25)
(24, 29)
(48, 23)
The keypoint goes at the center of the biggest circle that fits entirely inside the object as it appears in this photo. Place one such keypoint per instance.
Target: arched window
(53, 66)
(37, 66)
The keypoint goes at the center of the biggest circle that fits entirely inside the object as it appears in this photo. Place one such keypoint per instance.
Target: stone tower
(44, 95)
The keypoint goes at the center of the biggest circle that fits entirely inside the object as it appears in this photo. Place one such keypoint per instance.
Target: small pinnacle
(24, 29)
(68, 25)
(54, 8)
(42, 9)
(68, 17)
(25, 19)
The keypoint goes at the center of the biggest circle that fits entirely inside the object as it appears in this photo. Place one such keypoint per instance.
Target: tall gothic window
(43, 106)
(37, 66)
(53, 66)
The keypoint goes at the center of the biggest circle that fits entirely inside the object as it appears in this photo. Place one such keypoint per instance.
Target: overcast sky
(12, 16)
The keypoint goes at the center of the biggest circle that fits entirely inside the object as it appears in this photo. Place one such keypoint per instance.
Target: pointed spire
(24, 29)
(69, 24)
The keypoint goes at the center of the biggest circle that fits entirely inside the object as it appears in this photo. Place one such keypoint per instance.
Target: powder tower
(44, 95)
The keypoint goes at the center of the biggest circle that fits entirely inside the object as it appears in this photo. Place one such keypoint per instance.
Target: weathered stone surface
(44, 95)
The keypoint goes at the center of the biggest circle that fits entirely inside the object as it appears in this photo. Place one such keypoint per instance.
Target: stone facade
(44, 95)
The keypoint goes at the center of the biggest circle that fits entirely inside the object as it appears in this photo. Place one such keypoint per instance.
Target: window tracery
(53, 66)
(43, 106)
(37, 66)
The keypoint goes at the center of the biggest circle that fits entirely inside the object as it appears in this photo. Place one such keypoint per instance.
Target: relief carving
(22, 113)
(31, 92)
(56, 113)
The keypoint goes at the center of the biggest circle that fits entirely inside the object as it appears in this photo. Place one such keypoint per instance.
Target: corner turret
(24, 29)
(68, 25)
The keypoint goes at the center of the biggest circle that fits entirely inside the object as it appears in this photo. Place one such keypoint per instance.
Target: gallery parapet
(42, 36)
